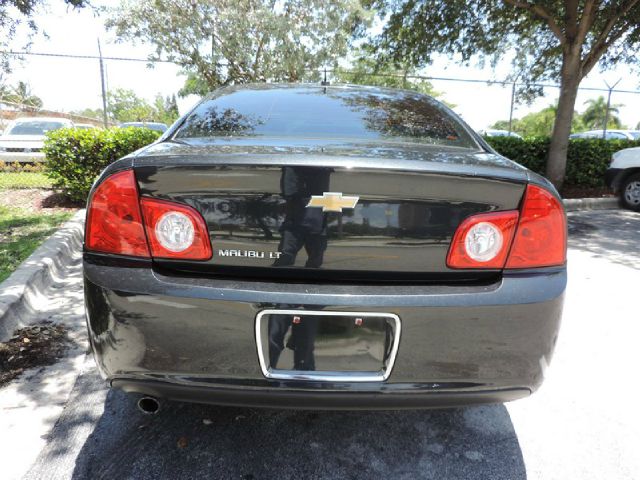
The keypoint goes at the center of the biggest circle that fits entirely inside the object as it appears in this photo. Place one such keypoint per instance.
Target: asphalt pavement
(582, 424)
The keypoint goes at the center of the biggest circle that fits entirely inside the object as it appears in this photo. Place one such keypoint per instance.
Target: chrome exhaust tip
(149, 405)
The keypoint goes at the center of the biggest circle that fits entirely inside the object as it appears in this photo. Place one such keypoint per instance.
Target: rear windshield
(328, 114)
(36, 127)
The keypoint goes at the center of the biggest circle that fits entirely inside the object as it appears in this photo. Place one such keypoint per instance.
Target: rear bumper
(193, 339)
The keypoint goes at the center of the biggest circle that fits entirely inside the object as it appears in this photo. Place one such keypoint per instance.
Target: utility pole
(513, 100)
(606, 115)
(104, 90)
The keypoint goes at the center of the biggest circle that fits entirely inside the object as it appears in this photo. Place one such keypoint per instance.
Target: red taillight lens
(536, 237)
(541, 238)
(175, 230)
(483, 241)
(114, 222)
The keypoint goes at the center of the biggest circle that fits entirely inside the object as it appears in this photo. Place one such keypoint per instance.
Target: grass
(21, 232)
(15, 180)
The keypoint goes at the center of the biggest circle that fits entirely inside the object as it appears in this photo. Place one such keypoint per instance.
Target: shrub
(75, 157)
(587, 159)
(21, 167)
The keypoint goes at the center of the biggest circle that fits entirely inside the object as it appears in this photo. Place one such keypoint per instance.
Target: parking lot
(584, 423)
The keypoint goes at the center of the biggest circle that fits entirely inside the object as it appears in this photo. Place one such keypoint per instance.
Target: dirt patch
(586, 192)
(33, 346)
(37, 199)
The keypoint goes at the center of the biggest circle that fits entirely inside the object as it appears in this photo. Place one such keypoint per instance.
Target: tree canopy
(218, 42)
(596, 112)
(550, 40)
(125, 106)
(538, 124)
(21, 94)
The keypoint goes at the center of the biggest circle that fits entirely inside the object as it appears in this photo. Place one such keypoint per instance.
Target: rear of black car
(323, 247)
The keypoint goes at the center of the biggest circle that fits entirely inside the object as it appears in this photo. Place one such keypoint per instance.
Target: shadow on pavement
(611, 234)
(200, 441)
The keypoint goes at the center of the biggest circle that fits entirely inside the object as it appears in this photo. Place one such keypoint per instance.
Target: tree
(166, 109)
(125, 106)
(557, 40)
(596, 112)
(365, 70)
(219, 42)
(538, 124)
(95, 113)
(15, 14)
(21, 94)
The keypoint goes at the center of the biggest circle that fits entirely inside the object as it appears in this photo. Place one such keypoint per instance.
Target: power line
(373, 74)
(84, 57)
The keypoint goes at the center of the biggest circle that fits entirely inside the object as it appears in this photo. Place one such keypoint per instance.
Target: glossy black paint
(403, 222)
(458, 341)
(186, 330)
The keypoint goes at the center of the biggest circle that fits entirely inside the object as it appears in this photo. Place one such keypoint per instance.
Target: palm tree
(593, 117)
(21, 94)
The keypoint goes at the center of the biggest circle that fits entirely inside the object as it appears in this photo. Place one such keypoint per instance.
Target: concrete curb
(21, 292)
(574, 204)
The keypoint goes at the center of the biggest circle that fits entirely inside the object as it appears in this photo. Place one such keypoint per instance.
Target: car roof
(42, 119)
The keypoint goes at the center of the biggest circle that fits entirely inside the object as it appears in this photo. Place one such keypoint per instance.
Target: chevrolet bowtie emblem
(332, 202)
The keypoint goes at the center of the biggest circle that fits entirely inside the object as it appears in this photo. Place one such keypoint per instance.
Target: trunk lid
(274, 212)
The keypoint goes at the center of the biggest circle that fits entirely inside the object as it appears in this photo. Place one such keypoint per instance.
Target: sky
(74, 84)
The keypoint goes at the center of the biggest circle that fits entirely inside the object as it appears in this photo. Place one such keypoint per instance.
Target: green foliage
(593, 117)
(532, 34)
(21, 94)
(22, 232)
(21, 167)
(20, 180)
(74, 158)
(125, 106)
(538, 124)
(587, 159)
(552, 40)
(218, 42)
(365, 70)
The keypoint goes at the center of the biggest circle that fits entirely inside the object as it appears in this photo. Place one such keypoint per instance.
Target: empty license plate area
(327, 346)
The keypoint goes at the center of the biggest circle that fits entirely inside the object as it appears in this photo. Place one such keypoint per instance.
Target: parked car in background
(634, 133)
(84, 126)
(610, 135)
(623, 177)
(158, 127)
(325, 247)
(23, 139)
(499, 133)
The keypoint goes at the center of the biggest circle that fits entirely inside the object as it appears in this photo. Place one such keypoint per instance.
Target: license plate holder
(333, 346)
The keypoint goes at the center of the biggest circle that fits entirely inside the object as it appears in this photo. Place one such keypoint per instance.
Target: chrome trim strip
(328, 376)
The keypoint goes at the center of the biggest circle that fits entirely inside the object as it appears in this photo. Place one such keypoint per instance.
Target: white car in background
(623, 176)
(498, 133)
(23, 139)
(609, 135)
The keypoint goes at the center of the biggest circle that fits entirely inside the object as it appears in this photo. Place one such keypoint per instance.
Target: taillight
(541, 238)
(483, 241)
(117, 219)
(175, 230)
(534, 237)
(114, 222)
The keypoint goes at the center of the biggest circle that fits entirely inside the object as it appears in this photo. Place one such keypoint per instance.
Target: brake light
(114, 222)
(175, 230)
(541, 238)
(534, 237)
(483, 241)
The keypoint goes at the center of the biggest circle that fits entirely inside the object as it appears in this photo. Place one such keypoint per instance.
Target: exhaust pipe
(149, 405)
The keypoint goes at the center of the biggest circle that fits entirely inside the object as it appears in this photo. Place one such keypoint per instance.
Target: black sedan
(306, 246)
